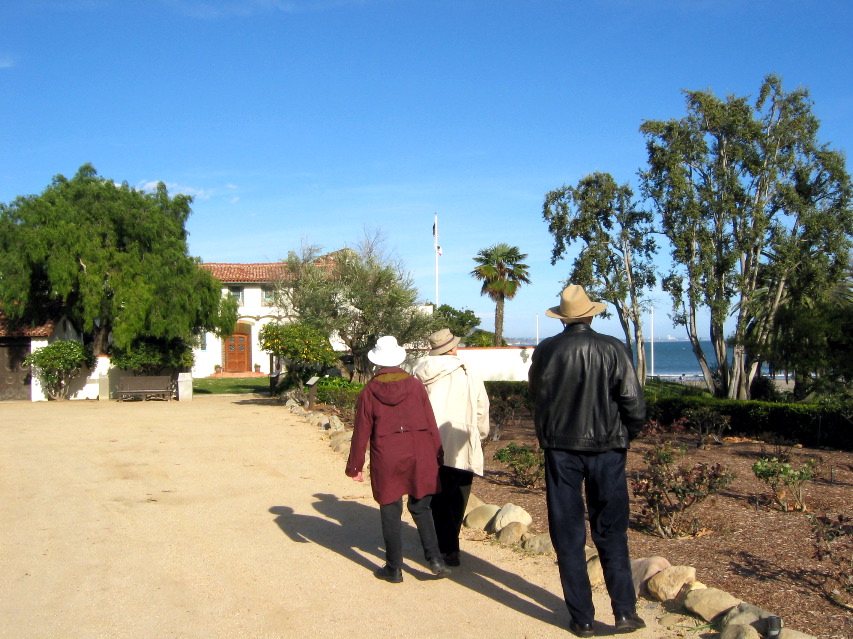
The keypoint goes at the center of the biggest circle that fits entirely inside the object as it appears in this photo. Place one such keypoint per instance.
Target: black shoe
(394, 575)
(628, 622)
(581, 629)
(451, 558)
(439, 568)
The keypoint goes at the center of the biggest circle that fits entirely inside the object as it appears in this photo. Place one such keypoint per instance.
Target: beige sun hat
(575, 304)
(442, 341)
(387, 352)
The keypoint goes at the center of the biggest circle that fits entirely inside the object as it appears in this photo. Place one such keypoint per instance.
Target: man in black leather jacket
(588, 406)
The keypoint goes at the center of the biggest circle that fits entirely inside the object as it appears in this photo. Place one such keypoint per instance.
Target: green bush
(340, 393)
(56, 364)
(785, 482)
(150, 356)
(527, 463)
(508, 401)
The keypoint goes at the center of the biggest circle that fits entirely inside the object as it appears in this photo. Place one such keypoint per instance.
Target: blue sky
(314, 120)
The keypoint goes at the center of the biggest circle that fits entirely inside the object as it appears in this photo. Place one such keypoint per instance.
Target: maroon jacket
(395, 415)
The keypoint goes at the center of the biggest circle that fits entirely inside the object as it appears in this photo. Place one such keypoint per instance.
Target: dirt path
(227, 517)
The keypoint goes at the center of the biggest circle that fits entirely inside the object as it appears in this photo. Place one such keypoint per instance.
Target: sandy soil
(228, 517)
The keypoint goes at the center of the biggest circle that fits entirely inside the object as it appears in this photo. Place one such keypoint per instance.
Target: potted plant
(217, 369)
(257, 368)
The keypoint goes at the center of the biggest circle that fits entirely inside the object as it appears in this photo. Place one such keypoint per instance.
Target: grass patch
(231, 385)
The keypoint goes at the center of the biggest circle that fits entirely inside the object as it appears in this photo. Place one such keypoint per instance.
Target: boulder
(473, 502)
(510, 513)
(710, 603)
(538, 544)
(666, 584)
(481, 516)
(739, 631)
(512, 533)
(644, 569)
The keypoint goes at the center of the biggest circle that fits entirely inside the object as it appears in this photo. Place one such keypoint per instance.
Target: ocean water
(675, 358)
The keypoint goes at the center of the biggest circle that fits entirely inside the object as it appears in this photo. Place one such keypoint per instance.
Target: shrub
(304, 349)
(671, 490)
(340, 393)
(708, 424)
(508, 401)
(56, 364)
(784, 481)
(832, 538)
(149, 356)
(527, 463)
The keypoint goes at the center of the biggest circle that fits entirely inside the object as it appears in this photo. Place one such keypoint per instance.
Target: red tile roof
(45, 330)
(260, 272)
(246, 273)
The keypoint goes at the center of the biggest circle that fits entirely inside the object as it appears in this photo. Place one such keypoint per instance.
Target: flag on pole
(434, 230)
(438, 250)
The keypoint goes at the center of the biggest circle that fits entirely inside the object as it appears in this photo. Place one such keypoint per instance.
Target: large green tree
(617, 246)
(113, 258)
(502, 271)
(461, 322)
(357, 295)
(750, 201)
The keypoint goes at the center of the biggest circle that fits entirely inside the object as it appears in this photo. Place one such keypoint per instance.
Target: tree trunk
(499, 321)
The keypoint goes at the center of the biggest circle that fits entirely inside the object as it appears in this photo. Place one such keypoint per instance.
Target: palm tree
(500, 269)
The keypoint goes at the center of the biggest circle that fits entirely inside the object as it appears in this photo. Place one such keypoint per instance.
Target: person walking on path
(394, 415)
(458, 397)
(588, 405)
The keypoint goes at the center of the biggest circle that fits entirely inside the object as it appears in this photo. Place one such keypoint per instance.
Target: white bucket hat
(387, 352)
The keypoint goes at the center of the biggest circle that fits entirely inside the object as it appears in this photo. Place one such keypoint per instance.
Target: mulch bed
(746, 547)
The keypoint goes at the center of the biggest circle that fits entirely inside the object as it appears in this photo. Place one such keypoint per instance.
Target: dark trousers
(448, 506)
(392, 529)
(601, 476)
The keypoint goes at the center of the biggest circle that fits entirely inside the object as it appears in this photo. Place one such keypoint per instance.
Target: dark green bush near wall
(812, 425)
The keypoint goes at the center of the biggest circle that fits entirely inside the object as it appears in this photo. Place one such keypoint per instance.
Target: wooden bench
(146, 387)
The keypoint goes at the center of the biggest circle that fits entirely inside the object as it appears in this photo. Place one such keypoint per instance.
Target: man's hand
(358, 476)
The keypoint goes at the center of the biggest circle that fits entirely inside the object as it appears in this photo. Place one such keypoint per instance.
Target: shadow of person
(352, 530)
(350, 535)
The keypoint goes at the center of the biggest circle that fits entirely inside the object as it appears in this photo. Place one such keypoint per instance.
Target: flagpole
(435, 251)
(652, 342)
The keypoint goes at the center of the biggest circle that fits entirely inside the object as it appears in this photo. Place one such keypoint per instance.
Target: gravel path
(227, 517)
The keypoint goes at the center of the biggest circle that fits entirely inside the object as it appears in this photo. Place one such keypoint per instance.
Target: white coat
(461, 407)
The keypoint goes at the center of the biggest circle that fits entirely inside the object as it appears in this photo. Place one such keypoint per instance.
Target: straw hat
(442, 341)
(387, 352)
(574, 304)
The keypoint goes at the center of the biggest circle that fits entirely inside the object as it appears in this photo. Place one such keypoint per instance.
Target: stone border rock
(654, 577)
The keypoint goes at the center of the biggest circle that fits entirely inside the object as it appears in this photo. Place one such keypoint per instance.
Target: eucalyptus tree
(112, 258)
(356, 295)
(617, 246)
(502, 272)
(749, 199)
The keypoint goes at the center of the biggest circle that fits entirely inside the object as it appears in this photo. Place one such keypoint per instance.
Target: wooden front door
(14, 377)
(237, 354)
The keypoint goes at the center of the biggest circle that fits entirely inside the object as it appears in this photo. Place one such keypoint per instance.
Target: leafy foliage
(758, 213)
(341, 394)
(303, 347)
(501, 270)
(617, 246)
(671, 490)
(150, 356)
(56, 364)
(461, 322)
(527, 463)
(708, 423)
(113, 258)
(482, 339)
(785, 482)
(356, 295)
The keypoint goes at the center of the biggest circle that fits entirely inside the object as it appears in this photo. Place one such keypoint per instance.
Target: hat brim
(393, 357)
(594, 309)
(441, 350)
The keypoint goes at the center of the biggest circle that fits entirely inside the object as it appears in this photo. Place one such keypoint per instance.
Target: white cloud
(6, 62)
